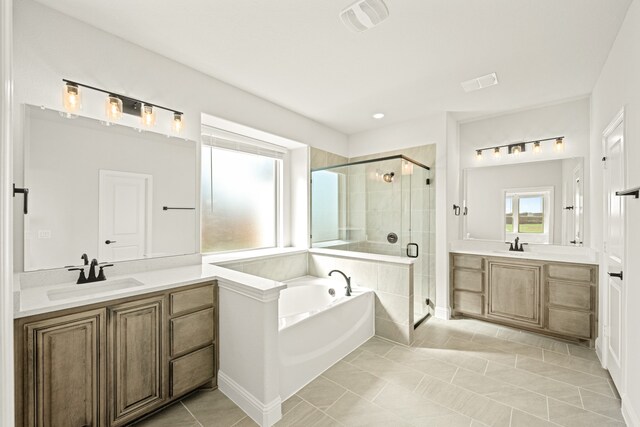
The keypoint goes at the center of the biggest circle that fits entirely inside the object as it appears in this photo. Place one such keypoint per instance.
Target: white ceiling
(297, 54)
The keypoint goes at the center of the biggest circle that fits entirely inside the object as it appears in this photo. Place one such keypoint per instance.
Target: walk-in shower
(380, 206)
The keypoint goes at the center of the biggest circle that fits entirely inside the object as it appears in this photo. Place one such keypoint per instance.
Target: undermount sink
(92, 289)
(516, 253)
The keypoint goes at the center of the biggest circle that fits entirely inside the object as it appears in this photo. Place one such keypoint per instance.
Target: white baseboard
(629, 412)
(443, 313)
(265, 415)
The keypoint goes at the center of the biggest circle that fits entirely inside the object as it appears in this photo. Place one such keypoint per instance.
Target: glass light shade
(559, 144)
(177, 124)
(113, 108)
(536, 147)
(479, 154)
(148, 116)
(496, 152)
(71, 97)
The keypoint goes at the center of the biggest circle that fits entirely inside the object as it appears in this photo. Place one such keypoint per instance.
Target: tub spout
(347, 279)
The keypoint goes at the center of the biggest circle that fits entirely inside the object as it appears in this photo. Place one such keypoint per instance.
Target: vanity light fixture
(113, 108)
(177, 122)
(71, 97)
(536, 147)
(116, 105)
(147, 115)
(519, 147)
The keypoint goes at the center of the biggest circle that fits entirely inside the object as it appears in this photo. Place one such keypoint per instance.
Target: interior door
(614, 248)
(125, 215)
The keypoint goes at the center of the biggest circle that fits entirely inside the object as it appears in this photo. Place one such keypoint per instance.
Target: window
(528, 215)
(240, 195)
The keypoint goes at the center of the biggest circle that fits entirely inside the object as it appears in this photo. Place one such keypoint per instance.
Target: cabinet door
(64, 375)
(514, 292)
(136, 359)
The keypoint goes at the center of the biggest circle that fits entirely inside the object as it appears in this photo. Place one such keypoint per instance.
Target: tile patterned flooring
(458, 373)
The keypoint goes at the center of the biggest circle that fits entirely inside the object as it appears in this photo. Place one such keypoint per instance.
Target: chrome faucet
(347, 279)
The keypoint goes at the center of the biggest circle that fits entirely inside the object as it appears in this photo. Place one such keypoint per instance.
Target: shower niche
(379, 206)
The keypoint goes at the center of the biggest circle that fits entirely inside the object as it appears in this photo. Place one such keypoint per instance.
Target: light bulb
(148, 115)
(559, 144)
(515, 150)
(71, 97)
(496, 152)
(536, 147)
(177, 124)
(479, 154)
(113, 108)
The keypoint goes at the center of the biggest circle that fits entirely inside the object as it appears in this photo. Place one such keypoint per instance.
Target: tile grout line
(454, 375)
(511, 417)
(581, 400)
(324, 411)
(191, 413)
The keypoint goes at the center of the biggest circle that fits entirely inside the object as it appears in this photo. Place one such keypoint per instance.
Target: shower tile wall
(277, 267)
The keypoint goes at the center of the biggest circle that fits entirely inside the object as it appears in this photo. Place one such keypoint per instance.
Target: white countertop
(35, 300)
(578, 255)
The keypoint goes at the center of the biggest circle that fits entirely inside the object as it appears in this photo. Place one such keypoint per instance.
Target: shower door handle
(409, 252)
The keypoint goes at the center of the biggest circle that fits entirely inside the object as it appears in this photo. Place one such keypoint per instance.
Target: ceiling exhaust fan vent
(364, 14)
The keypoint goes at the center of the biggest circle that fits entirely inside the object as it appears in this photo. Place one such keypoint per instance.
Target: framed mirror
(109, 191)
(539, 202)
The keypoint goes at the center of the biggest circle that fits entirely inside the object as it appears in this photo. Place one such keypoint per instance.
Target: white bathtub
(318, 329)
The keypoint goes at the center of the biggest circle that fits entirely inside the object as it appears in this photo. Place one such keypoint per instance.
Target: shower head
(388, 177)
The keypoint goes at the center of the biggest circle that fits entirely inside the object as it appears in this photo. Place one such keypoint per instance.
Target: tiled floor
(459, 373)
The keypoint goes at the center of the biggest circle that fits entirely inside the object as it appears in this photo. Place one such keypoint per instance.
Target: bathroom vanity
(109, 363)
(549, 297)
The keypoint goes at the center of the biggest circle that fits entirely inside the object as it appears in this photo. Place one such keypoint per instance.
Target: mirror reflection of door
(124, 215)
(577, 205)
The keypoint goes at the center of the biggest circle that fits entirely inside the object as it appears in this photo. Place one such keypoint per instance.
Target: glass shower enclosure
(380, 206)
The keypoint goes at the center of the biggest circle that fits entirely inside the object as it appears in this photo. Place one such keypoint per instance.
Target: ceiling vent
(364, 14)
(480, 82)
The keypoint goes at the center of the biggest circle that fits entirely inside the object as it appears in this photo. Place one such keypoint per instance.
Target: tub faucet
(347, 279)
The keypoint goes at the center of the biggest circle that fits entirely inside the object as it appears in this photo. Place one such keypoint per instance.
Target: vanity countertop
(541, 256)
(37, 300)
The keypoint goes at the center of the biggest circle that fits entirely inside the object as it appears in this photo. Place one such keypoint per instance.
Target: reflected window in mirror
(528, 215)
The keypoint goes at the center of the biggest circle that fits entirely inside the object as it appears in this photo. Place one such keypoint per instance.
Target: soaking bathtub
(317, 329)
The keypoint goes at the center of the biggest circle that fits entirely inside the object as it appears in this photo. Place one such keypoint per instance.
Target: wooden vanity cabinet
(554, 298)
(111, 363)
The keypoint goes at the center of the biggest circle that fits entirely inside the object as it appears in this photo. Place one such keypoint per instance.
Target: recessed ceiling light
(480, 82)
(378, 116)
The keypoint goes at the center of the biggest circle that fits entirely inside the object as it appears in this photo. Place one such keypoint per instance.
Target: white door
(614, 248)
(125, 215)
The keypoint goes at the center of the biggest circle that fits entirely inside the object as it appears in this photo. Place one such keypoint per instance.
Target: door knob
(618, 275)
(108, 242)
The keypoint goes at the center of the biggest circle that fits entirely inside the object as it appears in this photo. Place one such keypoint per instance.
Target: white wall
(51, 46)
(570, 119)
(417, 132)
(619, 86)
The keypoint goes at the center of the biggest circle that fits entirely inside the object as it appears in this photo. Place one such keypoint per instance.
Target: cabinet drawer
(467, 302)
(468, 261)
(468, 280)
(576, 323)
(192, 299)
(574, 273)
(571, 295)
(191, 331)
(192, 370)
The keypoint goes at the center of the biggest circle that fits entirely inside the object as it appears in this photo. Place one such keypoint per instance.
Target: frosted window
(239, 200)
(325, 195)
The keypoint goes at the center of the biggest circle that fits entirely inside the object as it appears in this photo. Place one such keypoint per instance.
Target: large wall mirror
(109, 191)
(539, 202)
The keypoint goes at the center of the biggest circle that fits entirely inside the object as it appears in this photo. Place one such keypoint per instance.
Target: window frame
(281, 166)
(547, 193)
